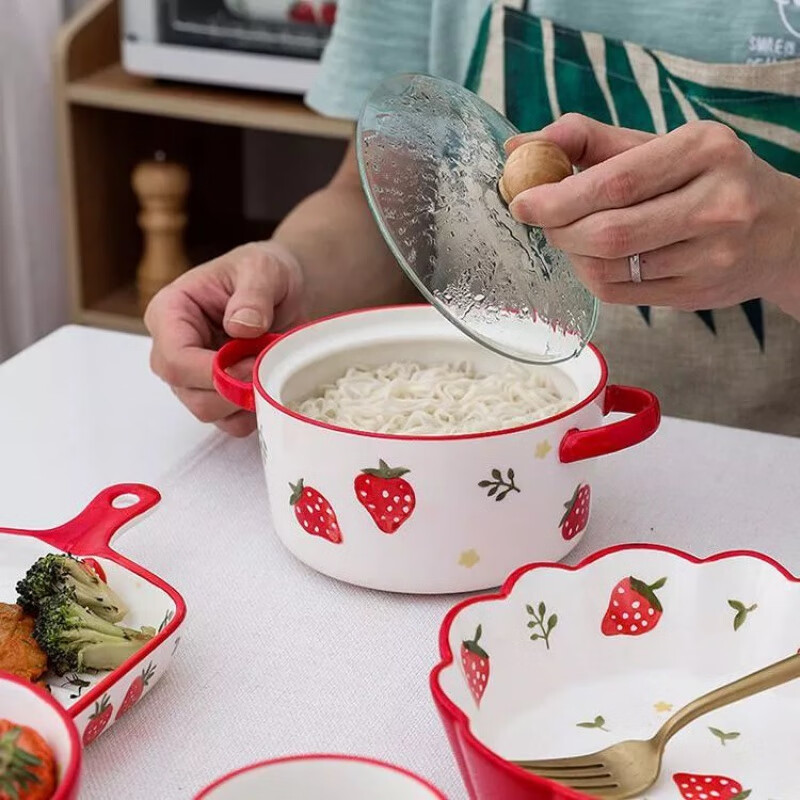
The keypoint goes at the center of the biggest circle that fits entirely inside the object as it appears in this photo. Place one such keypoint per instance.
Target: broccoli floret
(52, 574)
(76, 639)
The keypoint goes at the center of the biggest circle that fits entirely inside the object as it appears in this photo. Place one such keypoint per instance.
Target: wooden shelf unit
(109, 120)
(113, 88)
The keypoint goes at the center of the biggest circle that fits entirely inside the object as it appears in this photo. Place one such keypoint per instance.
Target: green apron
(738, 366)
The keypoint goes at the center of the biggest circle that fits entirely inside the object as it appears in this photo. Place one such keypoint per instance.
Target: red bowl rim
(460, 720)
(70, 773)
(204, 793)
(590, 398)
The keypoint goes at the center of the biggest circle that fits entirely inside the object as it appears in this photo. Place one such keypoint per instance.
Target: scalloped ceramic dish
(568, 660)
(96, 701)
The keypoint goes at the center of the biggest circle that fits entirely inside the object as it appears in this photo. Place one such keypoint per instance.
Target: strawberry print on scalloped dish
(634, 608)
(709, 787)
(475, 663)
(596, 685)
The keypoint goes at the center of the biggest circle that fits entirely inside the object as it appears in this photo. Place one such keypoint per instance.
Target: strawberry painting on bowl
(133, 624)
(565, 661)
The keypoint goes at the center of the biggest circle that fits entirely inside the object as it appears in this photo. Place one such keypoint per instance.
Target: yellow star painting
(469, 558)
(542, 449)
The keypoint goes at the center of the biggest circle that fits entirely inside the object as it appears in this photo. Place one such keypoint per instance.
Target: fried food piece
(19, 653)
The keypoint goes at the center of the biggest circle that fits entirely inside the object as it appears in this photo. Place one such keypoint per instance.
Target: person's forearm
(345, 261)
(786, 294)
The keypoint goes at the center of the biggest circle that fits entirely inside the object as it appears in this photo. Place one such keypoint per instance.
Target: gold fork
(630, 768)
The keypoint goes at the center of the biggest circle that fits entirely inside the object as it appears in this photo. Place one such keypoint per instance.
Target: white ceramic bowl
(452, 534)
(313, 777)
(25, 704)
(639, 632)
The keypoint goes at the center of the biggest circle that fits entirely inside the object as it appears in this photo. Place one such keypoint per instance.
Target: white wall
(33, 292)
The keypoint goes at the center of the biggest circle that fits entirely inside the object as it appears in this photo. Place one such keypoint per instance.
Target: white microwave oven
(271, 45)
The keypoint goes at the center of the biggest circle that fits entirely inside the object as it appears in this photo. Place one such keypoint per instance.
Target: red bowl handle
(236, 391)
(643, 406)
(90, 533)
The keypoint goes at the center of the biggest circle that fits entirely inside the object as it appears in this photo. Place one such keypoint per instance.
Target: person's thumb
(257, 289)
(585, 141)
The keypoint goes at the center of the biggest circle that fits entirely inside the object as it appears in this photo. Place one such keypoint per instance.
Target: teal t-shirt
(376, 38)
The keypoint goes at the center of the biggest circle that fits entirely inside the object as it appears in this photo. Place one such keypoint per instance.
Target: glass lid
(430, 155)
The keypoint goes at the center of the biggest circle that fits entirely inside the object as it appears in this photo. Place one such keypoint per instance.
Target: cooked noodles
(435, 399)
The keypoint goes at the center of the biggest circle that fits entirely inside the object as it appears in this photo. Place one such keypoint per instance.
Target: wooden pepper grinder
(162, 187)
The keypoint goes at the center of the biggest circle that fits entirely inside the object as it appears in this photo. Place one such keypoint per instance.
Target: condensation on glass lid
(430, 155)
(489, 318)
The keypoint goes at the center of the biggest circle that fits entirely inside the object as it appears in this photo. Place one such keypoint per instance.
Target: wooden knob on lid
(533, 164)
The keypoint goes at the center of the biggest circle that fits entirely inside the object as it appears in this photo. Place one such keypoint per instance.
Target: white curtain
(33, 285)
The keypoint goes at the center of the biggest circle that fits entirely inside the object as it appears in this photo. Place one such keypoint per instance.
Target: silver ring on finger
(634, 263)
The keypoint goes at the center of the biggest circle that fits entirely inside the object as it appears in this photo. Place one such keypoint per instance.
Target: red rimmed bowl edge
(205, 792)
(70, 774)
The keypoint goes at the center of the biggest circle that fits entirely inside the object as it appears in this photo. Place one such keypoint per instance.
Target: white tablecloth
(276, 659)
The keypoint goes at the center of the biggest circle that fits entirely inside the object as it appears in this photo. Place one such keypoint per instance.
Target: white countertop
(79, 411)
(301, 663)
